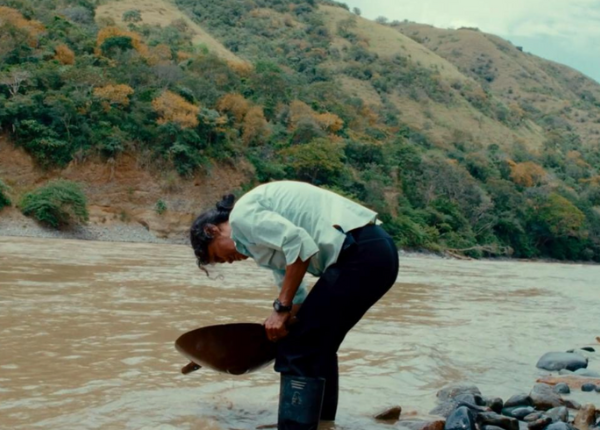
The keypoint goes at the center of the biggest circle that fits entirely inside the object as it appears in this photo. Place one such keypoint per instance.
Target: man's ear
(212, 230)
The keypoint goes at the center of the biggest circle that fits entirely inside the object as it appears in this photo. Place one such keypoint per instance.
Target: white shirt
(279, 222)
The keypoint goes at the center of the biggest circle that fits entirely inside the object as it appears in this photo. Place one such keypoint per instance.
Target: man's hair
(200, 238)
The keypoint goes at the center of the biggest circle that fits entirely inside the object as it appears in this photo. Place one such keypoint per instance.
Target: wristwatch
(280, 308)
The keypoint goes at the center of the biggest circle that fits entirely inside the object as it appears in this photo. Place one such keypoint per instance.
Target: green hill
(460, 140)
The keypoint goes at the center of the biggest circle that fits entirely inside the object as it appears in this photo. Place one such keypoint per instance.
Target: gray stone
(540, 423)
(572, 404)
(558, 414)
(562, 360)
(544, 398)
(491, 428)
(560, 426)
(494, 419)
(496, 404)
(518, 400)
(588, 349)
(451, 391)
(461, 419)
(588, 387)
(561, 388)
(534, 417)
(518, 412)
(565, 372)
(588, 373)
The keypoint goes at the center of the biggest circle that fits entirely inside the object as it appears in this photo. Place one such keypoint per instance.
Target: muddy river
(87, 332)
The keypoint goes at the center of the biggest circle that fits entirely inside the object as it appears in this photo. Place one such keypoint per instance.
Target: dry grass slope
(162, 12)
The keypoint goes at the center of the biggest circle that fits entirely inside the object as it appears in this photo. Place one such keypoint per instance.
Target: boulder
(572, 404)
(494, 419)
(491, 428)
(540, 423)
(543, 398)
(496, 404)
(588, 349)
(390, 414)
(422, 425)
(588, 387)
(445, 409)
(461, 419)
(558, 414)
(534, 417)
(518, 412)
(451, 391)
(561, 388)
(518, 400)
(586, 417)
(554, 361)
(560, 426)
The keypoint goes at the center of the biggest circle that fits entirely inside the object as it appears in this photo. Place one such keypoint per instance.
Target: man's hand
(275, 326)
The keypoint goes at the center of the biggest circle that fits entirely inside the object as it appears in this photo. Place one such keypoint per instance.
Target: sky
(565, 31)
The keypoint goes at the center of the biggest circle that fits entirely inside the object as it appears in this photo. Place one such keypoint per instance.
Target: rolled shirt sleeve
(302, 289)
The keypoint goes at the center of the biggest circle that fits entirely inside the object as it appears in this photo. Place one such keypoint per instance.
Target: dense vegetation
(57, 204)
(4, 199)
(72, 88)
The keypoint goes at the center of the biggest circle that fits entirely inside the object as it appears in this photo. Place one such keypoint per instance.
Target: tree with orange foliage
(115, 94)
(330, 122)
(110, 32)
(160, 54)
(300, 111)
(527, 174)
(242, 69)
(64, 55)
(256, 127)
(32, 27)
(174, 108)
(235, 104)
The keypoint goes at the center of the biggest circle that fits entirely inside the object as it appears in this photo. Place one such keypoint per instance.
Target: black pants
(366, 269)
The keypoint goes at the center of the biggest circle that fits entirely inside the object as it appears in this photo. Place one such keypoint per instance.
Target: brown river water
(87, 332)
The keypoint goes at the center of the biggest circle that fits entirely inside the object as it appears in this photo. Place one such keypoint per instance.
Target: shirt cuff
(301, 246)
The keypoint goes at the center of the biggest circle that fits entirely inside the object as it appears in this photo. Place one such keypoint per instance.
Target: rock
(461, 419)
(585, 418)
(473, 399)
(544, 398)
(446, 408)
(534, 417)
(565, 372)
(560, 426)
(451, 391)
(540, 423)
(496, 404)
(587, 372)
(423, 425)
(494, 419)
(518, 412)
(598, 388)
(561, 388)
(558, 414)
(588, 349)
(573, 381)
(588, 387)
(390, 414)
(572, 404)
(518, 400)
(562, 360)
(491, 428)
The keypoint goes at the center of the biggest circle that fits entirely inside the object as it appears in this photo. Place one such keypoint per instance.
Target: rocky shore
(546, 407)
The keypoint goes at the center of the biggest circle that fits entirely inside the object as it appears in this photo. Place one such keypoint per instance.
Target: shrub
(160, 207)
(4, 199)
(58, 204)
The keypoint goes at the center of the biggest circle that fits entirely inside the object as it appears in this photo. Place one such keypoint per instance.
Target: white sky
(566, 31)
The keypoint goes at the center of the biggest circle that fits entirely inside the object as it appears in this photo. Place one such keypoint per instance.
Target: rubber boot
(300, 401)
(330, 396)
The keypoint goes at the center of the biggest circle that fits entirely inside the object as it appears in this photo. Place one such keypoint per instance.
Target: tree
(14, 79)
(64, 55)
(4, 199)
(256, 128)
(114, 94)
(357, 11)
(382, 20)
(121, 35)
(235, 104)
(527, 174)
(34, 29)
(318, 162)
(173, 108)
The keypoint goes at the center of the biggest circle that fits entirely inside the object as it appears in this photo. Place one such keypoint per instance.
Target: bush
(58, 204)
(4, 199)
(160, 207)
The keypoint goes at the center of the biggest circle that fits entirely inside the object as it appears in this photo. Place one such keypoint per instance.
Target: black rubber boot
(300, 401)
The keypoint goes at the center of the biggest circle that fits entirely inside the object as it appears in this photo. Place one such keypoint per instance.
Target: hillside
(458, 139)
